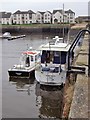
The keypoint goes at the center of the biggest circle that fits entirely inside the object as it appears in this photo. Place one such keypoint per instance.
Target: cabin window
(36, 58)
(59, 57)
(27, 61)
(56, 57)
(45, 56)
(63, 57)
(32, 58)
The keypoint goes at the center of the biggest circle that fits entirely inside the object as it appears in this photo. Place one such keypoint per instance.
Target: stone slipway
(79, 106)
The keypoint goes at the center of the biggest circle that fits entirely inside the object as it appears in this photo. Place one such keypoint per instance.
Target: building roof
(5, 14)
(69, 11)
(54, 11)
(24, 12)
(49, 12)
(41, 12)
(31, 12)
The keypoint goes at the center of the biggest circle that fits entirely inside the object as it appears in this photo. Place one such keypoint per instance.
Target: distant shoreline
(41, 28)
(36, 28)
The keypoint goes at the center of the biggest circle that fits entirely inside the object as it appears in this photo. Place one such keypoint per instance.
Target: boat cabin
(30, 57)
(55, 53)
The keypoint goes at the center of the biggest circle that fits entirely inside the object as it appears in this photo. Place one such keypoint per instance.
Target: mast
(63, 22)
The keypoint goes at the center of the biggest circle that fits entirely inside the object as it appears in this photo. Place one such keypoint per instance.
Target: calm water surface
(23, 98)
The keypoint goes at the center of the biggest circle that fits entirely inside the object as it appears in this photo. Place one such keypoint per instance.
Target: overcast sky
(80, 8)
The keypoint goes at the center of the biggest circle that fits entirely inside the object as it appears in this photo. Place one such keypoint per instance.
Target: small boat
(5, 35)
(28, 62)
(53, 68)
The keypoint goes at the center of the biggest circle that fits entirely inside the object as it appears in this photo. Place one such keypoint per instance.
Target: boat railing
(51, 69)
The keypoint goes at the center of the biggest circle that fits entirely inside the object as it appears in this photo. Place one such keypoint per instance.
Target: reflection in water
(22, 84)
(50, 101)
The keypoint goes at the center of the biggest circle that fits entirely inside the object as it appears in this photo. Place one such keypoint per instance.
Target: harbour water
(23, 98)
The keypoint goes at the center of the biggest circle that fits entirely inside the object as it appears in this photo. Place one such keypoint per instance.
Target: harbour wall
(77, 92)
(79, 107)
(26, 29)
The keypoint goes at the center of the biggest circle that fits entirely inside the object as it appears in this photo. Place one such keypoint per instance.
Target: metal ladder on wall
(72, 47)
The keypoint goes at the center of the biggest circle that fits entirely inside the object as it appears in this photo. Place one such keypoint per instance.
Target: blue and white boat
(53, 67)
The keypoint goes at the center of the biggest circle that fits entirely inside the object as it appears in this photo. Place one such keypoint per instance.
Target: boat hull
(51, 79)
(21, 74)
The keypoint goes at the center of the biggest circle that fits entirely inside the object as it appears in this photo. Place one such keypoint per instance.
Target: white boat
(53, 67)
(6, 35)
(28, 62)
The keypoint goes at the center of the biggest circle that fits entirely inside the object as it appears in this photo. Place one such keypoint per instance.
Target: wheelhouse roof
(55, 47)
(32, 53)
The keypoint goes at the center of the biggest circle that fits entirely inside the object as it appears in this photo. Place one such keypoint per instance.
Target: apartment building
(24, 17)
(57, 16)
(70, 16)
(6, 18)
(47, 17)
(39, 17)
(43, 17)
(30, 17)
(60, 16)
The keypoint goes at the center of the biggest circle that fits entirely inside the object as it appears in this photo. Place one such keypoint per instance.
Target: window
(30, 16)
(38, 16)
(71, 17)
(30, 21)
(23, 22)
(14, 18)
(32, 58)
(22, 17)
(36, 58)
(14, 15)
(45, 16)
(71, 21)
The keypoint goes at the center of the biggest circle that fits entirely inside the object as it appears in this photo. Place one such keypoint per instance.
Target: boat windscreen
(53, 56)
